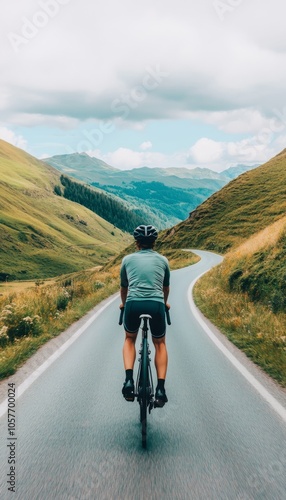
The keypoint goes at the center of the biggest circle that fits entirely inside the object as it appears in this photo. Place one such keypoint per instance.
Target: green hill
(42, 234)
(243, 207)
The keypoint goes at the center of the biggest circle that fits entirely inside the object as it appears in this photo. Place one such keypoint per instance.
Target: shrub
(63, 300)
(97, 285)
(17, 324)
(234, 276)
(28, 327)
(67, 282)
(22, 237)
(58, 191)
(4, 338)
(277, 302)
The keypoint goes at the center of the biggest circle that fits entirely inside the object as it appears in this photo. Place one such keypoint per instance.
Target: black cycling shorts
(134, 308)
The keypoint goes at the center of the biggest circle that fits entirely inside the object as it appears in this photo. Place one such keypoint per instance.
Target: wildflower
(6, 312)
(3, 331)
(28, 319)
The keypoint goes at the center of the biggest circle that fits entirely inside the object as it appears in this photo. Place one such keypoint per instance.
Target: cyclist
(145, 280)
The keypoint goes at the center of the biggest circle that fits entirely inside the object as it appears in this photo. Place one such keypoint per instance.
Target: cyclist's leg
(158, 330)
(131, 325)
(129, 355)
(161, 363)
(129, 350)
(161, 357)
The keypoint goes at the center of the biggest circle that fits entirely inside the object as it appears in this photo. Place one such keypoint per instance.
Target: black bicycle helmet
(145, 233)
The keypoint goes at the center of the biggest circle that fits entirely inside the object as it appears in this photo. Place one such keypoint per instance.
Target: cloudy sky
(157, 83)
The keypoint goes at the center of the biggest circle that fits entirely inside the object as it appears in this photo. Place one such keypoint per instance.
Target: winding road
(217, 438)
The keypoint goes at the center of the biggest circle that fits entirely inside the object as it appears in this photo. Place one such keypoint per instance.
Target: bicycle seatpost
(145, 318)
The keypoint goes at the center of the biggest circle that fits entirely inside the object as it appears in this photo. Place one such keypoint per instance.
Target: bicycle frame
(144, 383)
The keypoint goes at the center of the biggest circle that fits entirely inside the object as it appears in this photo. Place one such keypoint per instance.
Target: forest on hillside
(102, 204)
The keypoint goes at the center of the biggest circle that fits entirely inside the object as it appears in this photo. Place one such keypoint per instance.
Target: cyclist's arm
(166, 290)
(123, 294)
(166, 284)
(123, 284)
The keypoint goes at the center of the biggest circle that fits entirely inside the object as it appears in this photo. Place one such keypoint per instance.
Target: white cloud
(230, 75)
(219, 155)
(206, 151)
(239, 121)
(9, 136)
(71, 67)
(146, 145)
(37, 119)
(125, 158)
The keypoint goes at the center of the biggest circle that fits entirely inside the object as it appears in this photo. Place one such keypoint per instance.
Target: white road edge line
(31, 378)
(279, 409)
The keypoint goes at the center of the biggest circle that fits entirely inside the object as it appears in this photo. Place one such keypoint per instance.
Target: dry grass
(180, 258)
(31, 317)
(21, 286)
(250, 326)
(245, 298)
(262, 240)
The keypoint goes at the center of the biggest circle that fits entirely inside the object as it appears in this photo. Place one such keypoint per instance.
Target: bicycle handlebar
(168, 315)
(121, 316)
(166, 310)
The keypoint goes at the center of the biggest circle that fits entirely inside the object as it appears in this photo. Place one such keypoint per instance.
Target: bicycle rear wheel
(144, 393)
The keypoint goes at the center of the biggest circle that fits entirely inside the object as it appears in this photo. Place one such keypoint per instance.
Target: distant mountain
(95, 171)
(165, 196)
(42, 233)
(82, 166)
(233, 172)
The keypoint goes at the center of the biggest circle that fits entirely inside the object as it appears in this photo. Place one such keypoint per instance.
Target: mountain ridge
(196, 185)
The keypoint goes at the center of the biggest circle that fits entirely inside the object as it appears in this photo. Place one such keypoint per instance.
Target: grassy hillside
(42, 234)
(258, 267)
(246, 205)
(246, 298)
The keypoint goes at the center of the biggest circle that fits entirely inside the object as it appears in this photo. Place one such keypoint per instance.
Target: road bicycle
(144, 388)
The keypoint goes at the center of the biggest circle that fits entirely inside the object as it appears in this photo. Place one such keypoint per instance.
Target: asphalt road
(77, 438)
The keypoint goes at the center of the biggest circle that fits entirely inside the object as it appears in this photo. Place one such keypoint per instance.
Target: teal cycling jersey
(145, 273)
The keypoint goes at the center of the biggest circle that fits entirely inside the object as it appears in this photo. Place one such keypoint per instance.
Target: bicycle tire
(144, 393)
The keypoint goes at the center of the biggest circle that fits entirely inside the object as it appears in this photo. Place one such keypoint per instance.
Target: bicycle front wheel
(144, 393)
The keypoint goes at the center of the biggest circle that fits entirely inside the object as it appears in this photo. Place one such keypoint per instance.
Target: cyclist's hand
(121, 306)
(168, 306)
